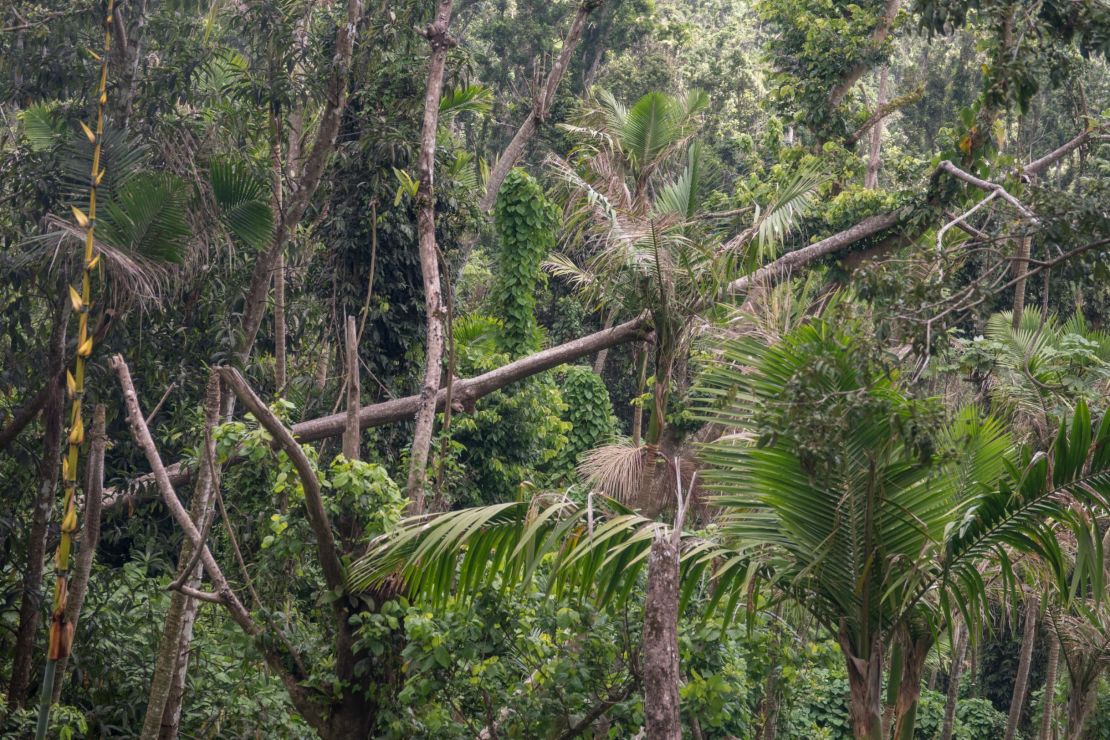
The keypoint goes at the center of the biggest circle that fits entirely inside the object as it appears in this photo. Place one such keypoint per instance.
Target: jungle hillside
(551, 369)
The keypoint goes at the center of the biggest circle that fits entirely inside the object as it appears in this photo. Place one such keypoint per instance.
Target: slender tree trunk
(189, 571)
(440, 42)
(1021, 267)
(351, 434)
(279, 326)
(30, 608)
(175, 697)
(959, 652)
(660, 645)
(874, 159)
(1080, 700)
(1025, 663)
(1049, 700)
(310, 174)
(541, 107)
(90, 536)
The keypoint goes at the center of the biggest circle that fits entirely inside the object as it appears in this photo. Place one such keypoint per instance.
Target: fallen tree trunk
(464, 392)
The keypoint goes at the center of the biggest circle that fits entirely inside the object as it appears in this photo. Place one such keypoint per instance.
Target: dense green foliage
(878, 459)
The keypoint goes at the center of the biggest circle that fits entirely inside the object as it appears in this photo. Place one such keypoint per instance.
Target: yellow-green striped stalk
(61, 633)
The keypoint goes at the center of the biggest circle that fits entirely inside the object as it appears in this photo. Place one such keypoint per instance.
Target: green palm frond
(775, 221)
(122, 158)
(683, 196)
(147, 218)
(469, 99)
(41, 126)
(244, 201)
(597, 551)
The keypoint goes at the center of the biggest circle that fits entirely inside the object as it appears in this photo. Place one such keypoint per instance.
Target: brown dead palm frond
(616, 470)
(130, 277)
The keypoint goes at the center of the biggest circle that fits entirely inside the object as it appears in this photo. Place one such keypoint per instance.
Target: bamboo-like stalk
(61, 631)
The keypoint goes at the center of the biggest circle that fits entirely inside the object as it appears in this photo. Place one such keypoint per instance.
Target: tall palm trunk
(1050, 687)
(1021, 680)
(959, 652)
(661, 673)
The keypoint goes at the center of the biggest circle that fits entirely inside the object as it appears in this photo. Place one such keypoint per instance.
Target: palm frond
(243, 199)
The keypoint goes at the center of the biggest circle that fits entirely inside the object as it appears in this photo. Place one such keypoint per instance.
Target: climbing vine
(525, 222)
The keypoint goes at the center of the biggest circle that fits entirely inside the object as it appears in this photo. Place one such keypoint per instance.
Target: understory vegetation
(588, 368)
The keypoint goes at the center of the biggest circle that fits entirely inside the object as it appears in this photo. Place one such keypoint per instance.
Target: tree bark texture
(440, 42)
(959, 653)
(660, 646)
(182, 610)
(1025, 664)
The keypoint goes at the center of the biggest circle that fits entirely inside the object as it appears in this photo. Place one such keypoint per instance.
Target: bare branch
(947, 166)
(306, 471)
(541, 107)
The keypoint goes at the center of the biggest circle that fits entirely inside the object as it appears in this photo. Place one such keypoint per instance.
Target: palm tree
(880, 533)
(636, 186)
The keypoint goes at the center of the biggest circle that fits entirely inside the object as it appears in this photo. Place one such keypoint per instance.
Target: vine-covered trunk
(661, 676)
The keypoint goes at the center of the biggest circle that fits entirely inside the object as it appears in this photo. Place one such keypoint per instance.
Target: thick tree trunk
(865, 699)
(172, 644)
(959, 653)
(1025, 664)
(874, 159)
(30, 608)
(660, 645)
(440, 42)
(909, 688)
(1049, 701)
(1080, 700)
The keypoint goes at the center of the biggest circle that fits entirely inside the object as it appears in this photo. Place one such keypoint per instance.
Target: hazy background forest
(551, 369)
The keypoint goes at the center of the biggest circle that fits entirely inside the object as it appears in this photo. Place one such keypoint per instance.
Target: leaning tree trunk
(959, 652)
(1021, 680)
(181, 614)
(1049, 701)
(440, 42)
(660, 646)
